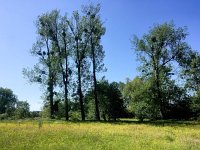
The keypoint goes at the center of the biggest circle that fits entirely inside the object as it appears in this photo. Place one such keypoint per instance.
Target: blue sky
(123, 19)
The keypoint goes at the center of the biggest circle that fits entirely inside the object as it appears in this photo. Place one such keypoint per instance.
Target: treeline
(70, 55)
(11, 107)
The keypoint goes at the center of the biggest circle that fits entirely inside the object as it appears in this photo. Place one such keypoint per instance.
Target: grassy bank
(94, 135)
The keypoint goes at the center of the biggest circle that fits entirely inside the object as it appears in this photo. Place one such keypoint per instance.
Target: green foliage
(195, 105)
(95, 31)
(115, 102)
(10, 107)
(90, 104)
(64, 42)
(8, 101)
(191, 71)
(61, 110)
(111, 103)
(158, 51)
(35, 114)
(22, 110)
(45, 112)
(138, 94)
(3, 116)
(143, 110)
(74, 116)
(46, 70)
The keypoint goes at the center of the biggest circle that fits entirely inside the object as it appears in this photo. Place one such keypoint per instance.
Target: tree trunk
(50, 81)
(159, 96)
(66, 82)
(104, 116)
(95, 82)
(50, 89)
(64, 75)
(78, 63)
(80, 94)
(66, 103)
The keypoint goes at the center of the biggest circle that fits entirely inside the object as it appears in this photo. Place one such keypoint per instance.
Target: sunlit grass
(93, 135)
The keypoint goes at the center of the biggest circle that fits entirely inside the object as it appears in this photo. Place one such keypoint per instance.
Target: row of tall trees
(68, 50)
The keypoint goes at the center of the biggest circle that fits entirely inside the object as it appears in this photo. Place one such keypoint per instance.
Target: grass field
(125, 135)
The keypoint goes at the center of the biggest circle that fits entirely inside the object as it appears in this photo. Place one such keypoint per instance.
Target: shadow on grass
(175, 123)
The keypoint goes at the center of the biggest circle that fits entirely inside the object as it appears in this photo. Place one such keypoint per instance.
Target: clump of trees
(155, 94)
(111, 104)
(70, 55)
(11, 107)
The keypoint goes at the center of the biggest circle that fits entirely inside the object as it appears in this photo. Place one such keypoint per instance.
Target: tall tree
(157, 50)
(77, 26)
(96, 53)
(60, 43)
(45, 71)
(64, 54)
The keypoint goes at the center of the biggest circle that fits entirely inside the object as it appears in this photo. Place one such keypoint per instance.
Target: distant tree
(116, 103)
(157, 50)
(177, 100)
(95, 31)
(35, 114)
(102, 88)
(8, 101)
(44, 113)
(138, 95)
(22, 110)
(111, 104)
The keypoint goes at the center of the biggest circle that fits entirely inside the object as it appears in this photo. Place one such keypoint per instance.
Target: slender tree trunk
(66, 83)
(157, 80)
(104, 116)
(50, 81)
(64, 75)
(50, 89)
(95, 82)
(66, 103)
(80, 94)
(79, 84)
(66, 91)
(159, 96)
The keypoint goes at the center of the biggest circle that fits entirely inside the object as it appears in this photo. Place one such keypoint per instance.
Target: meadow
(121, 135)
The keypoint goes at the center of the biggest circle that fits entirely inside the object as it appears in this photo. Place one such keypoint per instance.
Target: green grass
(133, 135)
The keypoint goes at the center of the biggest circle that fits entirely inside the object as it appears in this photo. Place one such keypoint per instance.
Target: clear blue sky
(123, 18)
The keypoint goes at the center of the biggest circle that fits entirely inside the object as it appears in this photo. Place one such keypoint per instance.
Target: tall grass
(94, 135)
